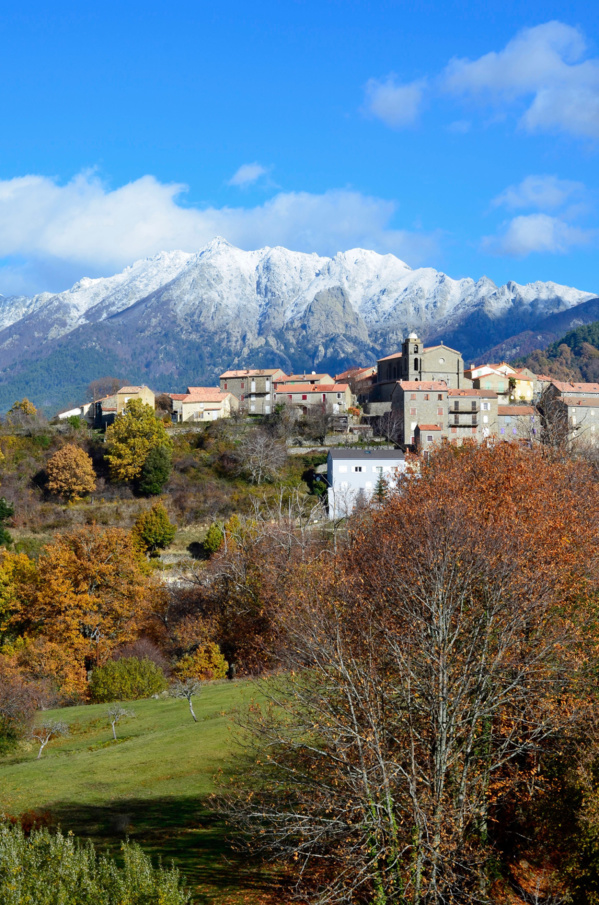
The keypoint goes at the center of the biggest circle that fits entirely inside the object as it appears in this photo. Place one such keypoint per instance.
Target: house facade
(518, 422)
(254, 388)
(354, 474)
(104, 411)
(336, 397)
(203, 404)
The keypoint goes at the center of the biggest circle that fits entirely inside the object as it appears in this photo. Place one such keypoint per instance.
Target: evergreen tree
(155, 471)
(7, 510)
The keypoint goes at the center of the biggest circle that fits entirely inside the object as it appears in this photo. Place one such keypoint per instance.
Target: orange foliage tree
(71, 473)
(431, 664)
(92, 592)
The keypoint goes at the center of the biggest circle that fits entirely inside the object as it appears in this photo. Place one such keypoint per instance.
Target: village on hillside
(413, 399)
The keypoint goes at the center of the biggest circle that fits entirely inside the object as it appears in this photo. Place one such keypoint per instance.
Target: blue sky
(457, 135)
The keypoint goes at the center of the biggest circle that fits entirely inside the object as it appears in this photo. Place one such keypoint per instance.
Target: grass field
(152, 786)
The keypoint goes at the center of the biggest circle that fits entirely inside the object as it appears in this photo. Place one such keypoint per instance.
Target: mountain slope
(573, 357)
(181, 318)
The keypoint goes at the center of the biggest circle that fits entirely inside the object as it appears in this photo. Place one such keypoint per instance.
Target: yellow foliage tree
(23, 407)
(131, 438)
(92, 593)
(71, 473)
(18, 578)
(207, 662)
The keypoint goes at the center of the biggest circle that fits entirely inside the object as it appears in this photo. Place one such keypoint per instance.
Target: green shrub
(126, 680)
(74, 421)
(53, 869)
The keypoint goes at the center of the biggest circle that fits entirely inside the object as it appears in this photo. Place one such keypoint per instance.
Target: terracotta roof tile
(515, 410)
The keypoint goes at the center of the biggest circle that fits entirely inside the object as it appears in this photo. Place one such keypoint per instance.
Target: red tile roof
(424, 386)
(311, 388)
(564, 387)
(515, 410)
(587, 403)
(206, 394)
(387, 357)
(430, 427)
(487, 394)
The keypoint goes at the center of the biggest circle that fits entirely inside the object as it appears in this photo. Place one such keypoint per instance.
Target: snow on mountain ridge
(270, 288)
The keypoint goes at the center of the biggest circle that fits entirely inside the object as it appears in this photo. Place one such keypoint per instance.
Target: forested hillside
(574, 357)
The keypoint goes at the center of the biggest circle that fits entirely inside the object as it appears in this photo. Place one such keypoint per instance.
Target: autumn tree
(91, 593)
(430, 667)
(22, 413)
(18, 702)
(153, 530)
(71, 473)
(131, 438)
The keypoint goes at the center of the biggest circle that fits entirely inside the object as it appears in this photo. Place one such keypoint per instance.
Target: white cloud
(540, 192)
(543, 66)
(58, 233)
(247, 174)
(395, 104)
(542, 233)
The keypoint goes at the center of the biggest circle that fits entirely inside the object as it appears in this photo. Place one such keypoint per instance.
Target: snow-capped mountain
(180, 317)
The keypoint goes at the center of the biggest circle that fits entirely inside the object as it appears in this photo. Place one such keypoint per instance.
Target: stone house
(354, 474)
(471, 414)
(203, 404)
(426, 435)
(518, 422)
(312, 378)
(336, 397)
(104, 411)
(254, 388)
(419, 402)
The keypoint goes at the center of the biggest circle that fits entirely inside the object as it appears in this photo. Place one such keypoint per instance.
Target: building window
(379, 468)
(338, 395)
(242, 385)
(426, 397)
(413, 411)
(357, 468)
(324, 397)
(416, 363)
(290, 397)
(225, 386)
(485, 419)
(454, 430)
(474, 406)
(429, 437)
(416, 352)
(486, 406)
(440, 411)
(441, 361)
(413, 396)
(343, 469)
(439, 397)
(304, 397)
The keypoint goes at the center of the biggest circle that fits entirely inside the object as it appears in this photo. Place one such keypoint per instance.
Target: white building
(353, 473)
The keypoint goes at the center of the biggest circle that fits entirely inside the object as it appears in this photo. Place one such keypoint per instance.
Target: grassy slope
(151, 785)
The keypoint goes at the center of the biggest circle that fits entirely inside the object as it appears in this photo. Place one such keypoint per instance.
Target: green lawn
(152, 785)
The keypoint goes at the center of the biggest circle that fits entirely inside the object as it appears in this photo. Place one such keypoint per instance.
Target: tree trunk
(195, 719)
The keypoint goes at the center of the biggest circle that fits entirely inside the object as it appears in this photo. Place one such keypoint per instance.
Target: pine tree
(156, 471)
